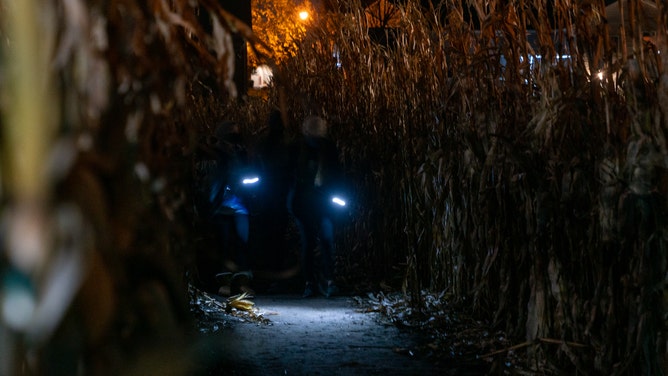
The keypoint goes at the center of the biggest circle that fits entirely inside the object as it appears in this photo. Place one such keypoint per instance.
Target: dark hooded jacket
(317, 178)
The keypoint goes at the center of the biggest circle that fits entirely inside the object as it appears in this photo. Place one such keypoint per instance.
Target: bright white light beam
(338, 201)
(252, 180)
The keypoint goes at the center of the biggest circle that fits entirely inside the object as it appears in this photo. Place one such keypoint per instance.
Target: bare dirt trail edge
(317, 336)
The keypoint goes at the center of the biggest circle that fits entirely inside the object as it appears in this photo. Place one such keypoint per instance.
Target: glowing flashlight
(251, 180)
(338, 201)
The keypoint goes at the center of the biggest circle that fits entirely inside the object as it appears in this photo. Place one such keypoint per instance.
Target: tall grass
(534, 194)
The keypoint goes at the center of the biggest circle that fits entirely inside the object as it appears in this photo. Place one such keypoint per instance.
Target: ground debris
(213, 313)
(450, 334)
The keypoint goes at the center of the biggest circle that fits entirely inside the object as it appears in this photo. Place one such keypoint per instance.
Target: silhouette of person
(228, 199)
(317, 179)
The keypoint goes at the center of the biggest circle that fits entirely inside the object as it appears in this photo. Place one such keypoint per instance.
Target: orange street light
(303, 15)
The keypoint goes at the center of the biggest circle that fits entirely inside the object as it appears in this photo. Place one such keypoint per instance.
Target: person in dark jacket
(230, 185)
(317, 181)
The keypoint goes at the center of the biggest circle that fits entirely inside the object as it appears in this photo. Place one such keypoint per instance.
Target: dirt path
(318, 337)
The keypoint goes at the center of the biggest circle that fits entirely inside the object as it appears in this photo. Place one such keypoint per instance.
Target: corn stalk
(102, 106)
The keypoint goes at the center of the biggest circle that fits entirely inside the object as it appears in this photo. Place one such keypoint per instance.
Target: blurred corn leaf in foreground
(102, 105)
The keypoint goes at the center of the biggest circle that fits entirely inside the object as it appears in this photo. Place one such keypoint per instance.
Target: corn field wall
(105, 106)
(532, 191)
